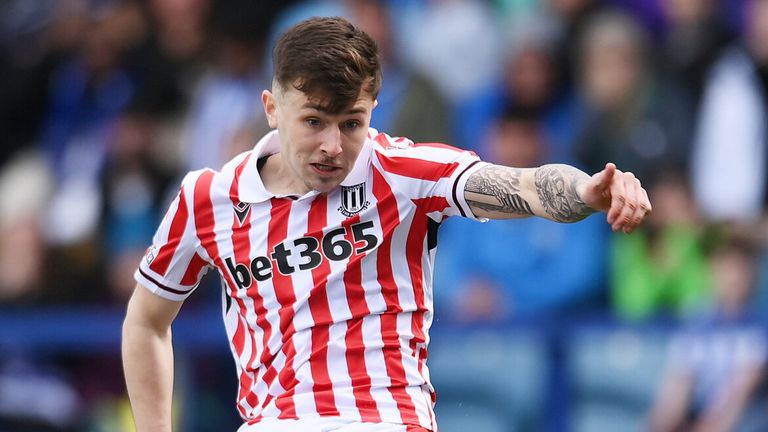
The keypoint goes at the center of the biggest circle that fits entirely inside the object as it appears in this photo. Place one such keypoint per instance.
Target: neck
(278, 179)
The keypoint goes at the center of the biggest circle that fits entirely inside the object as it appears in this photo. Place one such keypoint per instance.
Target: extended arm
(558, 192)
(670, 406)
(148, 359)
(730, 402)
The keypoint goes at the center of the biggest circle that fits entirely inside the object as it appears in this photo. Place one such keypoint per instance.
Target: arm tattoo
(498, 189)
(556, 186)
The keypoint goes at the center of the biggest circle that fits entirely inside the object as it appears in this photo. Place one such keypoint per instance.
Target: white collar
(251, 188)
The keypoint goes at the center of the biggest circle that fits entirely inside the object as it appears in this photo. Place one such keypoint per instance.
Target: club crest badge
(151, 254)
(353, 200)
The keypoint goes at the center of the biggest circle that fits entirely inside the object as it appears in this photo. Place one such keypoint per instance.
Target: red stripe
(386, 204)
(234, 189)
(204, 226)
(414, 254)
(192, 274)
(353, 274)
(382, 140)
(321, 315)
(241, 244)
(277, 232)
(390, 219)
(355, 355)
(417, 168)
(163, 259)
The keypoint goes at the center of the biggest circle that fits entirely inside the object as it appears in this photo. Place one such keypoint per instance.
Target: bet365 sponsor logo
(305, 253)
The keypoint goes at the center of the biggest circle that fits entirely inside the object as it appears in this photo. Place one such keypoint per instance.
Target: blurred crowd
(105, 104)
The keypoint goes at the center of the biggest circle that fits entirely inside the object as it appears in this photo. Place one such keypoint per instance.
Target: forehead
(318, 102)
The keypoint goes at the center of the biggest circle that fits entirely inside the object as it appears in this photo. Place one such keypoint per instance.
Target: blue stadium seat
(614, 375)
(489, 380)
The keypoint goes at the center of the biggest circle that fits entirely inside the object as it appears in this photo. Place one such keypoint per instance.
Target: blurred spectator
(24, 189)
(531, 80)
(168, 59)
(571, 18)
(694, 38)
(33, 36)
(716, 371)
(456, 44)
(225, 113)
(633, 119)
(134, 189)
(525, 269)
(730, 159)
(661, 269)
(408, 103)
(37, 397)
(88, 91)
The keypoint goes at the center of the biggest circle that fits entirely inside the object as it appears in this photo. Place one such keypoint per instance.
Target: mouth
(325, 169)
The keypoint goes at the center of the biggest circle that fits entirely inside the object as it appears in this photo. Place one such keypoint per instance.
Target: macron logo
(241, 211)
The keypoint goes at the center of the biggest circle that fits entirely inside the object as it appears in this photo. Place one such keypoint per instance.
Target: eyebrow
(323, 108)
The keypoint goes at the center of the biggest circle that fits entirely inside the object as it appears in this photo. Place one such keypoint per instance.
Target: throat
(277, 177)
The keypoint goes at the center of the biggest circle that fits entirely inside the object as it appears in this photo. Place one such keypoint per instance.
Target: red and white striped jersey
(328, 297)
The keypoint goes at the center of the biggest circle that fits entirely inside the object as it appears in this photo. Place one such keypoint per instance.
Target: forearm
(148, 366)
(549, 191)
(730, 404)
(670, 406)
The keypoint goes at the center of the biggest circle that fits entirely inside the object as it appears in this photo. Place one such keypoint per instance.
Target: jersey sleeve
(172, 265)
(431, 173)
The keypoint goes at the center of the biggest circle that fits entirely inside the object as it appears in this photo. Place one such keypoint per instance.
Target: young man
(324, 235)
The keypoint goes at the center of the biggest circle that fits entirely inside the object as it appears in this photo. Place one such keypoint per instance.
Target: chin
(324, 187)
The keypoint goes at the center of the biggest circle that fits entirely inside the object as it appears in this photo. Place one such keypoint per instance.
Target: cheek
(352, 149)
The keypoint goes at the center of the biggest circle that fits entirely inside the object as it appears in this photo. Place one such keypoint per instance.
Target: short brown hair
(329, 58)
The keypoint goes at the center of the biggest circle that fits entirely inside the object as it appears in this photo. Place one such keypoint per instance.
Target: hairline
(278, 90)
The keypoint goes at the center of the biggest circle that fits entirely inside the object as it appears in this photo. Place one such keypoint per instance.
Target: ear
(269, 101)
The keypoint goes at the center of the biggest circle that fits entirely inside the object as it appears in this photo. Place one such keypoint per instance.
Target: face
(612, 71)
(686, 11)
(757, 30)
(318, 148)
(530, 77)
(516, 143)
(733, 274)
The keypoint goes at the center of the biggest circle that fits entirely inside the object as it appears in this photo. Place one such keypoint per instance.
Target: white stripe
(304, 397)
(376, 365)
(338, 372)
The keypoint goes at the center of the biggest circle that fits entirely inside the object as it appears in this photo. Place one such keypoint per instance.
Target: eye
(352, 124)
(312, 121)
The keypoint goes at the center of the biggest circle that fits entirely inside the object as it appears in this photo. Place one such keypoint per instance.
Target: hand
(620, 194)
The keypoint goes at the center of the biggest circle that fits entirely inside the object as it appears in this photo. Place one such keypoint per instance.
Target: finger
(647, 203)
(624, 219)
(641, 207)
(618, 198)
(629, 204)
(605, 177)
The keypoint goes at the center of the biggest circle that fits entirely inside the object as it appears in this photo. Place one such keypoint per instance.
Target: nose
(331, 144)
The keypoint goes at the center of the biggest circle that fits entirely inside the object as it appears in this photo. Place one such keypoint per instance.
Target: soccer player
(324, 236)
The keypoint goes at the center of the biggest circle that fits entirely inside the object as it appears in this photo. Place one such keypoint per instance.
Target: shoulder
(386, 147)
(226, 174)
(214, 183)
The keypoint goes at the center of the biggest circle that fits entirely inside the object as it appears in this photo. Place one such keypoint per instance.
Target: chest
(283, 238)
